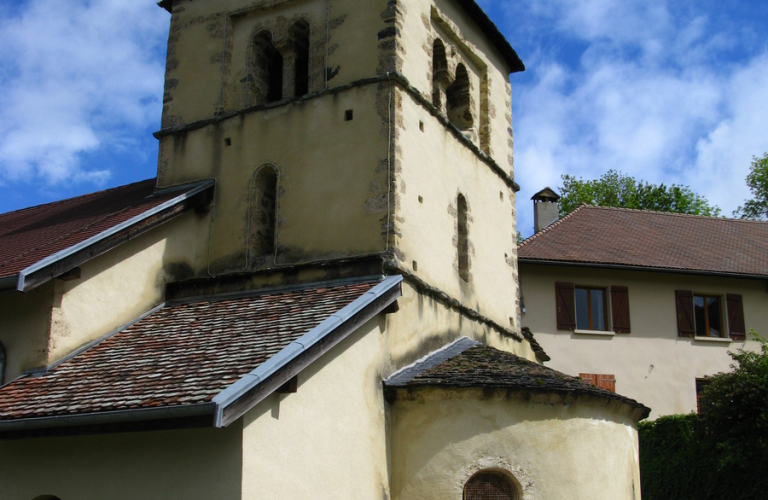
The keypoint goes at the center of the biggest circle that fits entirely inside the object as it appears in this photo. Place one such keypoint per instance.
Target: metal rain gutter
(52, 259)
(347, 316)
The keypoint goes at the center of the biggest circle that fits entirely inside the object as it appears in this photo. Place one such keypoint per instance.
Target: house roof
(477, 14)
(467, 363)
(618, 237)
(69, 232)
(209, 352)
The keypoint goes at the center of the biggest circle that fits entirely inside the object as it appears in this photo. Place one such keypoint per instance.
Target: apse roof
(467, 363)
(203, 354)
(619, 237)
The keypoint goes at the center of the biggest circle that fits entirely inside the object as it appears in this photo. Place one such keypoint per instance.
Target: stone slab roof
(467, 363)
(32, 235)
(179, 355)
(618, 237)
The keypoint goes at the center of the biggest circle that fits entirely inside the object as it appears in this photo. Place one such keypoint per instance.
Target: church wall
(582, 450)
(435, 168)
(327, 440)
(199, 464)
(332, 178)
(25, 325)
(651, 364)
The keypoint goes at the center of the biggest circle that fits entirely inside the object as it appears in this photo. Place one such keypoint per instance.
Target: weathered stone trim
(397, 78)
(443, 297)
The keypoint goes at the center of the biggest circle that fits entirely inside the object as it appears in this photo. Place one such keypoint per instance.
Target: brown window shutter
(684, 303)
(620, 309)
(736, 317)
(607, 382)
(590, 378)
(566, 309)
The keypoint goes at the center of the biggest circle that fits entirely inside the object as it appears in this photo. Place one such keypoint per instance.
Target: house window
(263, 211)
(2, 363)
(266, 79)
(701, 315)
(605, 381)
(489, 485)
(463, 238)
(590, 308)
(707, 316)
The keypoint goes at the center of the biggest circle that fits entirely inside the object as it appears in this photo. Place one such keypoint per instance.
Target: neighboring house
(317, 296)
(648, 303)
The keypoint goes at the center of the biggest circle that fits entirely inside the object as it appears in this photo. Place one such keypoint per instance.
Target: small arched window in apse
(458, 102)
(47, 497)
(490, 485)
(2, 363)
(267, 72)
(263, 212)
(299, 35)
(463, 238)
(440, 76)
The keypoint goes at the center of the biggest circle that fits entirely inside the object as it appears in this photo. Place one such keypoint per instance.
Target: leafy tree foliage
(757, 180)
(615, 189)
(722, 454)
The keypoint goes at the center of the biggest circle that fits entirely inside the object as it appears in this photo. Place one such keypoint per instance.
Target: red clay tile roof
(467, 363)
(637, 238)
(32, 234)
(180, 355)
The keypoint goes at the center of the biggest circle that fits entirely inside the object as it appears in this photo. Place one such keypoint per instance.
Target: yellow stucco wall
(25, 325)
(199, 464)
(652, 364)
(440, 438)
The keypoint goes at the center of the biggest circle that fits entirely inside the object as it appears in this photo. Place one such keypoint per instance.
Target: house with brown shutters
(645, 303)
(317, 295)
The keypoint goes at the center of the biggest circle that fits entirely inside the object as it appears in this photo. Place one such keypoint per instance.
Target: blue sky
(672, 91)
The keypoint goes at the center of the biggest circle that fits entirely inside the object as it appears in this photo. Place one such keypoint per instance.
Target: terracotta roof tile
(180, 355)
(32, 234)
(467, 363)
(637, 238)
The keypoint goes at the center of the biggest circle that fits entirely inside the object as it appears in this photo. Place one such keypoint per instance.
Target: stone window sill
(713, 339)
(595, 332)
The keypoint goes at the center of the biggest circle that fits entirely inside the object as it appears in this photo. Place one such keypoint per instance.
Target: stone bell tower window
(297, 59)
(489, 485)
(463, 240)
(263, 211)
(267, 70)
(441, 79)
(458, 101)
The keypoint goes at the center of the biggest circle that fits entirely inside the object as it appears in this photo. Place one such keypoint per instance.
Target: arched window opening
(267, 74)
(2, 363)
(463, 243)
(458, 102)
(299, 41)
(264, 212)
(489, 485)
(46, 497)
(441, 79)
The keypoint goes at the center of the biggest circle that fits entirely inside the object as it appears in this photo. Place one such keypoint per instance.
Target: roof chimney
(545, 208)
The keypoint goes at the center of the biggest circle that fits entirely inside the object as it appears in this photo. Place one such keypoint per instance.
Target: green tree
(615, 189)
(757, 180)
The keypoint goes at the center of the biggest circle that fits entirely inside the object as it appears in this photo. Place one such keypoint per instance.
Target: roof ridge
(673, 214)
(65, 200)
(552, 226)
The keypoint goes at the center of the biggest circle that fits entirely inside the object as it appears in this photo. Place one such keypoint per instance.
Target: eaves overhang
(193, 195)
(631, 267)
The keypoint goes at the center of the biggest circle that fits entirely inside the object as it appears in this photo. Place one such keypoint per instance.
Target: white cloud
(651, 94)
(73, 76)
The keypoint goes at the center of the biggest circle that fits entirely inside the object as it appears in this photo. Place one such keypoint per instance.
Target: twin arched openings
(454, 90)
(279, 70)
(490, 485)
(262, 213)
